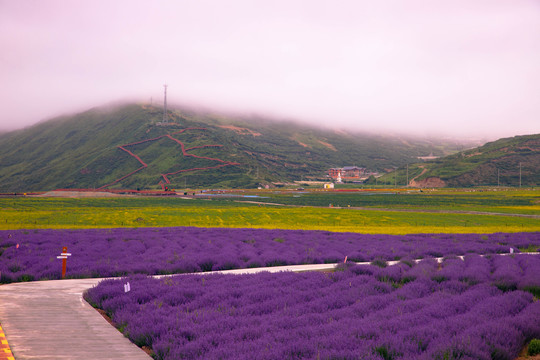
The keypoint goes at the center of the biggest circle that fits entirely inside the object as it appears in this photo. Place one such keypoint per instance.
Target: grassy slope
(52, 154)
(494, 163)
(81, 151)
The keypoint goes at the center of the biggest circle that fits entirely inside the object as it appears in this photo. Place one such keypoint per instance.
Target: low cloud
(456, 68)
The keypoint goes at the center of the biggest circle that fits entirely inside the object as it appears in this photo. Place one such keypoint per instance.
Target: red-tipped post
(64, 256)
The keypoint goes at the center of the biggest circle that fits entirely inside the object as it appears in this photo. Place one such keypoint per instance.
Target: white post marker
(64, 255)
(511, 250)
(127, 287)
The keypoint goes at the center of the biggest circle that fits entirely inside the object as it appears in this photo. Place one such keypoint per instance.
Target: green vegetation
(530, 248)
(28, 213)
(534, 347)
(496, 163)
(510, 201)
(82, 151)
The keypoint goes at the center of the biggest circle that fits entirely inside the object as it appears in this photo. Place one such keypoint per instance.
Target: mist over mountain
(130, 146)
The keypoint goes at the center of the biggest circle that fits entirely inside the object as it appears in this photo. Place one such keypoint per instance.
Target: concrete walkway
(46, 320)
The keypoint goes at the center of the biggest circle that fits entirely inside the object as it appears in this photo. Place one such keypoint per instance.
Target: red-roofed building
(347, 173)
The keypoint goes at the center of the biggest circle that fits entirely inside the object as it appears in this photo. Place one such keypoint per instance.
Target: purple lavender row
(468, 309)
(31, 254)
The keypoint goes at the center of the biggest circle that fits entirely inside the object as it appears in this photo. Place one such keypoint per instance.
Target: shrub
(534, 347)
(344, 266)
(379, 262)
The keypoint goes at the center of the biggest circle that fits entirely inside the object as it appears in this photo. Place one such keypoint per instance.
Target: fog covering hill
(505, 162)
(92, 150)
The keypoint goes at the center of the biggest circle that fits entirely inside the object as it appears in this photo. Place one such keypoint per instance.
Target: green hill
(127, 147)
(504, 162)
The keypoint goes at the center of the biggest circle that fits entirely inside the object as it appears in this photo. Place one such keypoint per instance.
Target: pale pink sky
(459, 67)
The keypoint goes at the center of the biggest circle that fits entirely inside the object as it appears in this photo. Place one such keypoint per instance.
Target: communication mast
(165, 117)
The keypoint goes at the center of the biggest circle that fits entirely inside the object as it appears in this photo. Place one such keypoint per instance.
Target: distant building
(429, 157)
(334, 172)
(352, 172)
(347, 173)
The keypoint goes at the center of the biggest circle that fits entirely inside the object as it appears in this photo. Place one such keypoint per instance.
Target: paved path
(46, 320)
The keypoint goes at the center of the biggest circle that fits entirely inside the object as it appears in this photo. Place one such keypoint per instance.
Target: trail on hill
(424, 170)
(184, 153)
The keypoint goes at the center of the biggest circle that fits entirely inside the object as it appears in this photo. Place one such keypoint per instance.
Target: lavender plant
(31, 254)
(361, 312)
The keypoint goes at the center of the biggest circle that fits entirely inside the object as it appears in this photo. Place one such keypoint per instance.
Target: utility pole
(498, 182)
(165, 118)
(407, 176)
(520, 174)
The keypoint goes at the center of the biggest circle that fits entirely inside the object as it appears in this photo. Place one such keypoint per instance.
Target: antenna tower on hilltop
(165, 117)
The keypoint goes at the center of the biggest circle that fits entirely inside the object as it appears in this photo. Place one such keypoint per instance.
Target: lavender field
(27, 255)
(477, 308)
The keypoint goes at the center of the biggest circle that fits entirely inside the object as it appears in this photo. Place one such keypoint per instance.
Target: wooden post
(64, 263)
(64, 256)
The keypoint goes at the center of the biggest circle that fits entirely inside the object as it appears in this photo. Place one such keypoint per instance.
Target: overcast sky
(459, 67)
